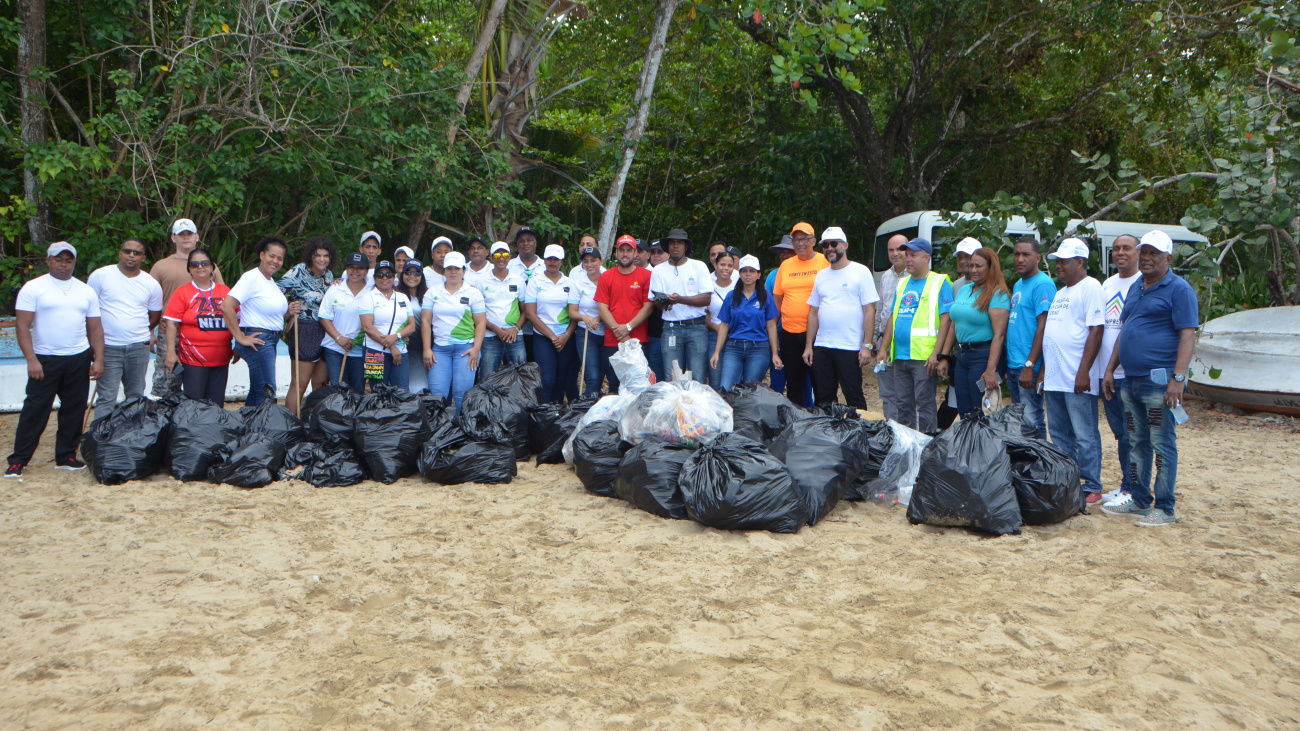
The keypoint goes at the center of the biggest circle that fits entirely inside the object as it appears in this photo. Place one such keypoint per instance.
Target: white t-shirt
(1074, 310)
(261, 303)
(578, 271)
(687, 280)
(433, 279)
(339, 306)
(453, 313)
(552, 300)
(502, 297)
(839, 296)
(472, 277)
(125, 303)
(527, 272)
(719, 296)
(583, 294)
(1115, 290)
(390, 315)
(61, 308)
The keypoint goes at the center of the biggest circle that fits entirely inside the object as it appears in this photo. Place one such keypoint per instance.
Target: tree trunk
(31, 58)
(415, 229)
(636, 124)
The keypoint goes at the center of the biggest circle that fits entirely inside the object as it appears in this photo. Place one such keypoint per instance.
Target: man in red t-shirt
(623, 297)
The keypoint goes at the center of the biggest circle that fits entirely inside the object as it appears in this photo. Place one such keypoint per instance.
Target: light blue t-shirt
(912, 289)
(1029, 299)
(972, 325)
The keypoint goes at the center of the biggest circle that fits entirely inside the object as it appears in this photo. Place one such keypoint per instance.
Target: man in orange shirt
(794, 284)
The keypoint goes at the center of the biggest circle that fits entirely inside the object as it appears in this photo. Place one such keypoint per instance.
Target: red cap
(625, 239)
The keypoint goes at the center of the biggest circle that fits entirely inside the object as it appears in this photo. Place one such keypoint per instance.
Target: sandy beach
(162, 605)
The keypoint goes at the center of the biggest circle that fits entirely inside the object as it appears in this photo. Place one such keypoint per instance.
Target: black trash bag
(452, 457)
(880, 439)
(563, 428)
(438, 409)
(299, 455)
(735, 483)
(541, 425)
(825, 455)
(198, 428)
(1046, 480)
(965, 480)
(390, 427)
(647, 477)
(1011, 423)
(273, 420)
(760, 413)
(334, 466)
(597, 452)
(522, 380)
(499, 405)
(253, 460)
(317, 395)
(129, 443)
(331, 420)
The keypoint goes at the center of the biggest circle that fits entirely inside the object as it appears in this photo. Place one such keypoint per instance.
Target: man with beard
(841, 314)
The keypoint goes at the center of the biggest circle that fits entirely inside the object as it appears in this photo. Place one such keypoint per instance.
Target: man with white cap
(371, 246)
(841, 316)
(918, 323)
(401, 256)
(1071, 374)
(966, 248)
(60, 336)
(438, 252)
(502, 292)
(1156, 337)
(131, 304)
(173, 272)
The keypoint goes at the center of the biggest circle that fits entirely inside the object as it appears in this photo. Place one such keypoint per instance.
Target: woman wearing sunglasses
(196, 333)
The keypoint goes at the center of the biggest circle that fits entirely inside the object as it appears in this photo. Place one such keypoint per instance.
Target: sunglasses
(133, 252)
(200, 264)
(384, 276)
(501, 255)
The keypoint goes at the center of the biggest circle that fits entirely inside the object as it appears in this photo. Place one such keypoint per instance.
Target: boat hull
(1250, 360)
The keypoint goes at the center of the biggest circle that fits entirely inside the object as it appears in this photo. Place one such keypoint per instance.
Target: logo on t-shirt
(464, 300)
(909, 304)
(636, 284)
(566, 290)
(1015, 301)
(1114, 308)
(514, 288)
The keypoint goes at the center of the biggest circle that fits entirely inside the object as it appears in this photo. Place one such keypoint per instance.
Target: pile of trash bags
(990, 473)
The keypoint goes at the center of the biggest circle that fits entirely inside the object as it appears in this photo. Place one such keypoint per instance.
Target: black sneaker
(69, 463)
(15, 470)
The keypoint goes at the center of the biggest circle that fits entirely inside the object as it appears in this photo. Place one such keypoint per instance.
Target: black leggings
(205, 382)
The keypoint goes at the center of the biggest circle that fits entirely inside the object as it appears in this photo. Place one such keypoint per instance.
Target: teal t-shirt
(1029, 299)
(972, 325)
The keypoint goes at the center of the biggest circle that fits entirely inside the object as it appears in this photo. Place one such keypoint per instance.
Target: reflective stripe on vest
(925, 331)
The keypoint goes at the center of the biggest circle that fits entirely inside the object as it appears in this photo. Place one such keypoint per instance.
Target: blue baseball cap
(919, 244)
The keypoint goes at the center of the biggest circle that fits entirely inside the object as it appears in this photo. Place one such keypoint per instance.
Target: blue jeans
(655, 355)
(743, 360)
(715, 374)
(1072, 418)
(495, 353)
(124, 365)
(355, 375)
(555, 366)
(1152, 433)
(685, 342)
(1115, 417)
(967, 378)
(1031, 398)
(451, 374)
(396, 374)
(597, 361)
(261, 362)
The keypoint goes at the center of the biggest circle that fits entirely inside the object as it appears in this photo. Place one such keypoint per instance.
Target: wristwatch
(1180, 377)
(1029, 364)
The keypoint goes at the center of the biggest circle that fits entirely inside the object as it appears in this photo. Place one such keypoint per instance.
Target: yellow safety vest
(925, 323)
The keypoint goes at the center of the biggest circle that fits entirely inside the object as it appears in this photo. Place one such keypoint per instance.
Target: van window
(880, 257)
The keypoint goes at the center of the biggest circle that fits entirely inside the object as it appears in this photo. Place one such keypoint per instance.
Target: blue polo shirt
(747, 321)
(1150, 324)
(1029, 298)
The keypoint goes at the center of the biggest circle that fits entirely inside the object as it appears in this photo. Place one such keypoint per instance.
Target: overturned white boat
(1250, 360)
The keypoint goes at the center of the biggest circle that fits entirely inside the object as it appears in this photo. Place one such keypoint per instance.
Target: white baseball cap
(833, 233)
(182, 225)
(1070, 248)
(969, 246)
(749, 260)
(406, 250)
(1158, 240)
(454, 259)
(58, 247)
(554, 251)
(500, 246)
(371, 235)
(441, 240)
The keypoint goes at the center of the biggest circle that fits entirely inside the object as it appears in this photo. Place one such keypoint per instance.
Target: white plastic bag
(686, 412)
(631, 367)
(610, 407)
(898, 472)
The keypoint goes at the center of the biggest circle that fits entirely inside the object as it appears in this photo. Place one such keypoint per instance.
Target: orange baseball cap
(625, 239)
(803, 228)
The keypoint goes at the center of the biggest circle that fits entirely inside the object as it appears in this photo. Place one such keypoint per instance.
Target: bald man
(888, 286)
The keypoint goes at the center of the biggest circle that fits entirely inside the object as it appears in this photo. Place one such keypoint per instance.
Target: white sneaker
(1113, 494)
(1122, 499)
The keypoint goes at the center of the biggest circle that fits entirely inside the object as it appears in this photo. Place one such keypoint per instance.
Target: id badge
(672, 341)
(374, 365)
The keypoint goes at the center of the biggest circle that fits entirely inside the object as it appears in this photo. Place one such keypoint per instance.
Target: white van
(933, 227)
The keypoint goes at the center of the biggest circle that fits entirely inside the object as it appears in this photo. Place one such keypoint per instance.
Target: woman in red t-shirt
(196, 332)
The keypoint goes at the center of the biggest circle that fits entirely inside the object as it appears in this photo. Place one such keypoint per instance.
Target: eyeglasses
(133, 252)
(200, 264)
(803, 239)
(384, 276)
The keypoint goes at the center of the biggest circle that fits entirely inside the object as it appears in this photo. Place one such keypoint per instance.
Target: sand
(161, 605)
